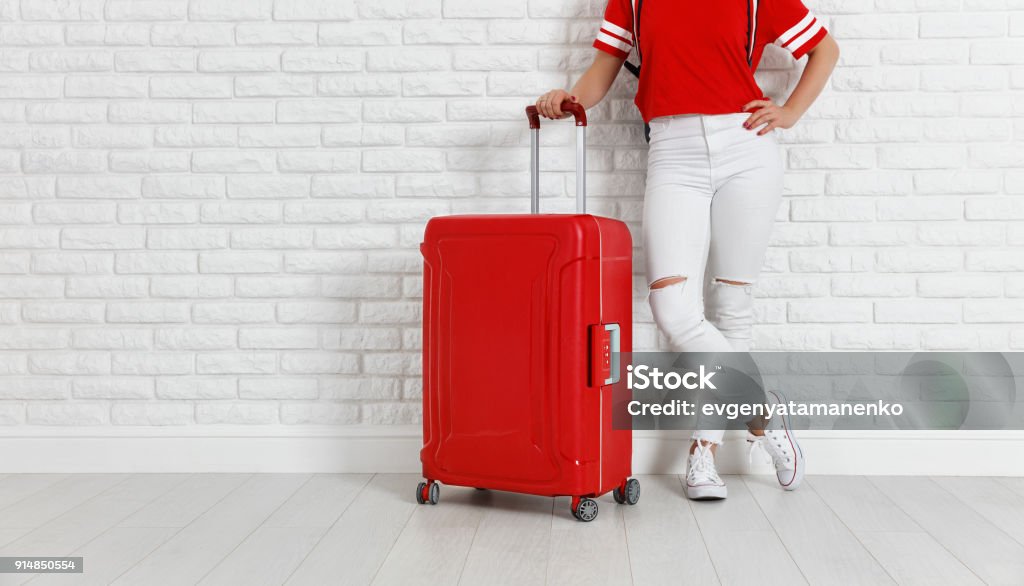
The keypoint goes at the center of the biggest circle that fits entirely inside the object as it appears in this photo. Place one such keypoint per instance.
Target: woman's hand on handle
(589, 90)
(550, 104)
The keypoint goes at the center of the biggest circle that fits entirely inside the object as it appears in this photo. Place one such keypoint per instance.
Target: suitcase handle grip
(580, 114)
(577, 110)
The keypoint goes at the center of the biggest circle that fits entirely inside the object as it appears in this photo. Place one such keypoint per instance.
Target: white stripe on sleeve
(614, 42)
(799, 41)
(635, 23)
(618, 30)
(786, 36)
(753, 31)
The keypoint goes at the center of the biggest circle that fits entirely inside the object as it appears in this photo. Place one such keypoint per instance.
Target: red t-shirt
(700, 57)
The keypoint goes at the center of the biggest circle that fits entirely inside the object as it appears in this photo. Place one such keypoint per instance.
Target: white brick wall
(209, 209)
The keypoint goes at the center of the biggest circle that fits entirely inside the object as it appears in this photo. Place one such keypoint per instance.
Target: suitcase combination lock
(604, 351)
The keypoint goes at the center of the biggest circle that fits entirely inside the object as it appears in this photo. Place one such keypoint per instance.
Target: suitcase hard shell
(523, 318)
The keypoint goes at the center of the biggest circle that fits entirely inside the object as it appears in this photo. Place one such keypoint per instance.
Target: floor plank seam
(1007, 481)
(933, 524)
(256, 528)
(689, 507)
(929, 533)
(82, 545)
(757, 503)
(142, 506)
(183, 527)
(391, 549)
(70, 509)
(977, 512)
(629, 554)
(60, 478)
(329, 528)
(856, 538)
(465, 560)
(551, 530)
(86, 501)
(923, 530)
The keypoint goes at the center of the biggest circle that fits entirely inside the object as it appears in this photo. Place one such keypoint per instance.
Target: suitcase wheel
(628, 493)
(428, 492)
(584, 509)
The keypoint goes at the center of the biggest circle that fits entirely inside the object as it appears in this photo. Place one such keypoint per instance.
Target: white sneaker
(702, 481)
(780, 445)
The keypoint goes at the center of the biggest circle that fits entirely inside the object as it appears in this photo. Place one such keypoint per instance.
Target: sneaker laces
(774, 446)
(702, 466)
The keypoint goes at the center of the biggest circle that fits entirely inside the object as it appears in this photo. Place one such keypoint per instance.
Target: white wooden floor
(225, 529)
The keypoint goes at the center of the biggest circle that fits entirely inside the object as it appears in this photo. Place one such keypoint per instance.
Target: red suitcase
(524, 317)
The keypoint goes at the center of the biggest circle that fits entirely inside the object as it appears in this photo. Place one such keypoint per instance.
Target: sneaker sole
(798, 466)
(706, 493)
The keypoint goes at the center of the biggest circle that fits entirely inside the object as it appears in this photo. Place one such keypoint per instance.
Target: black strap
(750, 25)
(636, 33)
(635, 69)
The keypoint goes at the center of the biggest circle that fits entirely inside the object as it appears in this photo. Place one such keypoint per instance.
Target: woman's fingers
(550, 104)
(556, 106)
(770, 125)
(765, 115)
(763, 107)
(542, 106)
(754, 120)
(557, 99)
(546, 104)
(757, 104)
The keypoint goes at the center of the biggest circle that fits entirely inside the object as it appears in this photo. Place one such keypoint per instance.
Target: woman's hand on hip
(550, 104)
(769, 115)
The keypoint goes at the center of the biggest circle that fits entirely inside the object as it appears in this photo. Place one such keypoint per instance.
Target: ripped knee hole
(667, 282)
(734, 283)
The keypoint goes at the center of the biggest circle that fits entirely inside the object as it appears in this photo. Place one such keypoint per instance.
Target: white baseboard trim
(396, 449)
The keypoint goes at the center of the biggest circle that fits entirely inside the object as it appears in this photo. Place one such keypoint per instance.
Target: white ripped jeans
(713, 189)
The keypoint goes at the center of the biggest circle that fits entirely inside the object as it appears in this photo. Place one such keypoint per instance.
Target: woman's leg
(708, 180)
(742, 216)
(676, 233)
(748, 180)
(676, 229)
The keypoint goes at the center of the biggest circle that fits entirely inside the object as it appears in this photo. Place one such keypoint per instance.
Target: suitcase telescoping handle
(580, 114)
